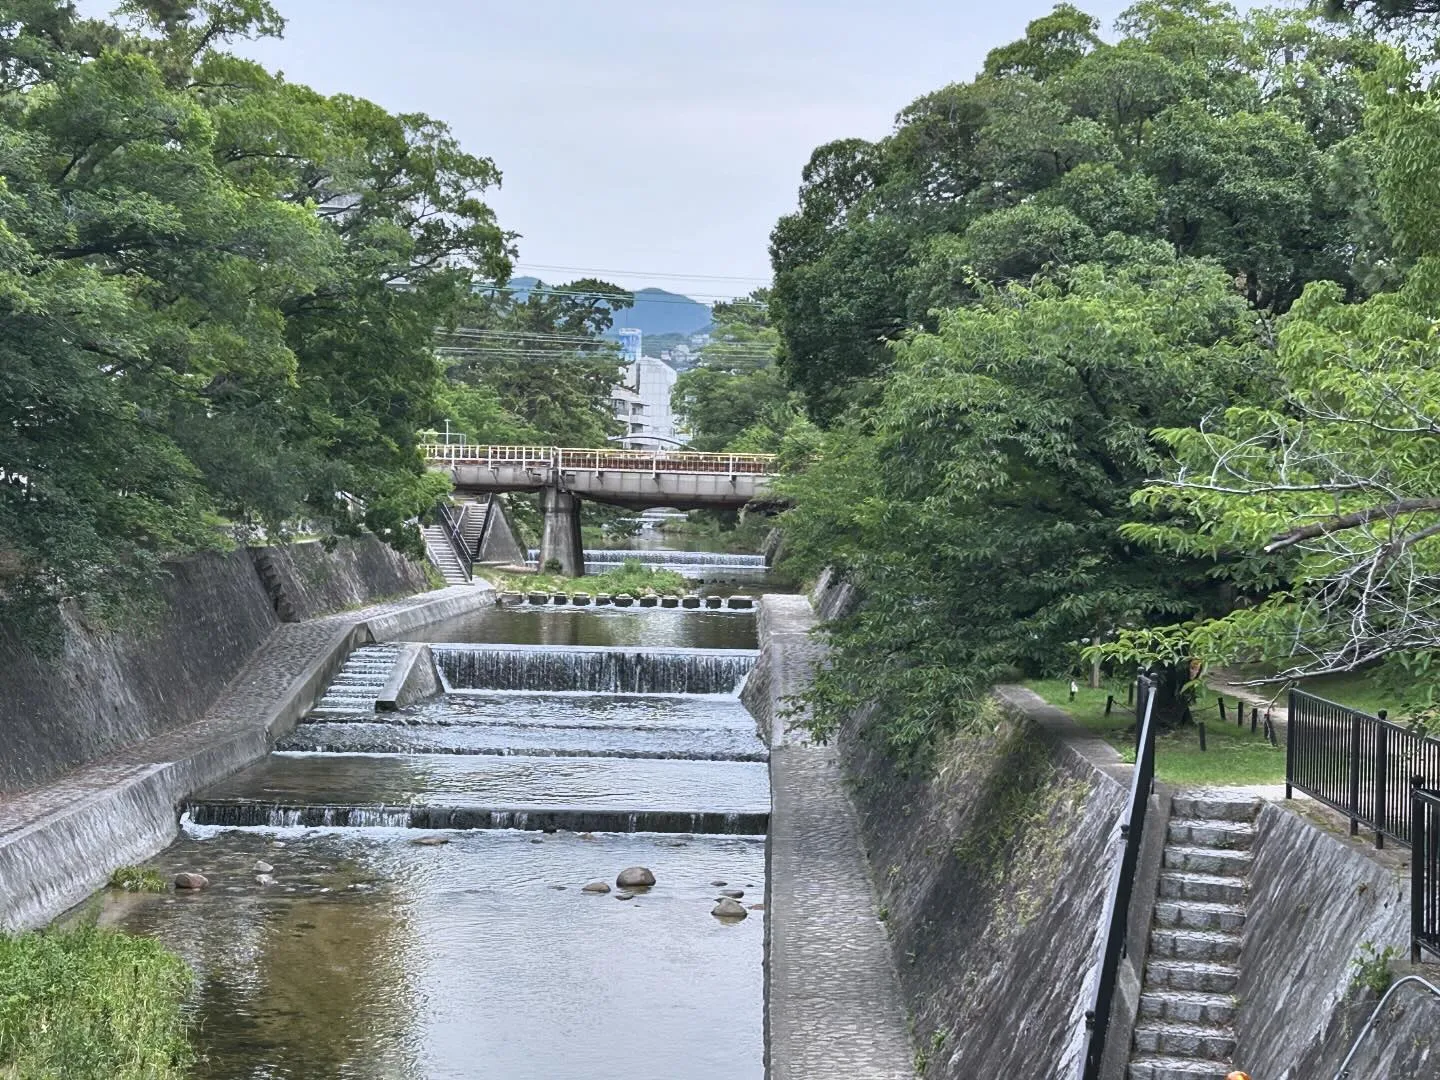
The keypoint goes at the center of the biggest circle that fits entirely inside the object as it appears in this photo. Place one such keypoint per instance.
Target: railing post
(1354, 775)
(1382, 768)
(1289, 743)
(1419, 849)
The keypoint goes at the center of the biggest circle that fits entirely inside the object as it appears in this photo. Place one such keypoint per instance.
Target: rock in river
(430, 841)
(262, 867)
(635, 877)
(191, 881)
(596, 887)
(730, 909)
(734, 894)
(264, 879)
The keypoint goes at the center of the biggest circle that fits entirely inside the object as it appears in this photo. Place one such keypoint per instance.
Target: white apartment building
(641, 399)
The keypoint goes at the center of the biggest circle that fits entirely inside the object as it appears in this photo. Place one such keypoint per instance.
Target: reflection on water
(476, 959)
(576, 626)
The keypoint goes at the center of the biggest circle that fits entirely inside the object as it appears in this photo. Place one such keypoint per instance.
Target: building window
(637, 409)
(636, 429)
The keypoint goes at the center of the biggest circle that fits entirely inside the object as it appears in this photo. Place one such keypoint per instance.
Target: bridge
(636, 479)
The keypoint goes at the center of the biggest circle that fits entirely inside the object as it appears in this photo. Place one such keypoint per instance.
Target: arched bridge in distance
(636, 479)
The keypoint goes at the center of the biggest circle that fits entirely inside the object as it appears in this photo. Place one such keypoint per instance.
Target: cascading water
(596, 670)
(670, 559)
(423, 863)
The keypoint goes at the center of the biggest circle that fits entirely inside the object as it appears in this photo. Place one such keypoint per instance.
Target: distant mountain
(656, 311)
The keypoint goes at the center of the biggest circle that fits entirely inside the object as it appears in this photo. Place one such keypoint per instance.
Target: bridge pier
(560, 536)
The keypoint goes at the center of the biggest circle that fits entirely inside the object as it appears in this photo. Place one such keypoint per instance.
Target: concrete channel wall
(985, 877)
(1321, 903)
(102, 690)
(60, 840)
(950, 917)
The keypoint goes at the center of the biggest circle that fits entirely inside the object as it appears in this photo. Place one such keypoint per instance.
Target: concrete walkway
(59, 842)
(832, 1004)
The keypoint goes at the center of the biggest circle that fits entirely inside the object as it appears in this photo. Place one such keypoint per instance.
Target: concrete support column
(560, 538)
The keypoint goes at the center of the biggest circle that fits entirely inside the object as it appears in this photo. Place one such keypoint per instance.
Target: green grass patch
(1232, 754)
(634, 578)
(91, 1004)
(1369, 691)
(138, 879)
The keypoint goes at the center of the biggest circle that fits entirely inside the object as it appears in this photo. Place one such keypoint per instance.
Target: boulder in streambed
(624, 896)
(191, 881)
(265, 879)
(430, 841)
(635, 877)
(734, 894)
(262, 867)
(596, 887)
(728, 910)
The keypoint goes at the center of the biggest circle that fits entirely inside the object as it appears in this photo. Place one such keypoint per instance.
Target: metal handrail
(563, 458)
(1122, 883)
(1396, 985)
(451, 528)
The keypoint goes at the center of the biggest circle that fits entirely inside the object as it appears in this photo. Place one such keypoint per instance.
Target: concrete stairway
(472, 524)
(438, 548)
(1187, 1007)
(357, 684)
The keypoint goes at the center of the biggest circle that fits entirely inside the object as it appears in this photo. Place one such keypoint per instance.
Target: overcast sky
(653, 138)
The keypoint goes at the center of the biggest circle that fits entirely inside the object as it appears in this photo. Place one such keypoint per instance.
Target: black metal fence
(1117, 899)
(1361, 765)
(1425, 873)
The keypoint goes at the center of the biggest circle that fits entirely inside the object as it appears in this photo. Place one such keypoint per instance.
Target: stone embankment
(143, 720)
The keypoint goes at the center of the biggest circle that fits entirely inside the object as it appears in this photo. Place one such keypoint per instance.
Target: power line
(689, 300)
(644, 273)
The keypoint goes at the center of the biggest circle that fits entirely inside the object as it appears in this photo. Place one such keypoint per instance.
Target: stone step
(1199, 915)
(1212, 806)
(1197, 975)
(1213, 888)
(1215, 946)
(1207, 860)
(1229, 835)
(1184, 1041)
(1166, 1068)
(1188, 1007)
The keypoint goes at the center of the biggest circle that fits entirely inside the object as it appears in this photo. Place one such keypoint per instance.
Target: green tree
(976, 507)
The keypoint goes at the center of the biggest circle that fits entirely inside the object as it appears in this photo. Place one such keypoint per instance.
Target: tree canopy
(220, 297)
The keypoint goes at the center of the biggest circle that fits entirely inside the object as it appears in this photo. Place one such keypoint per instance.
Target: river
(399, 895)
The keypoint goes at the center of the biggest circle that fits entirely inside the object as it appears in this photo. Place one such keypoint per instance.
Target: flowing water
(399, 895)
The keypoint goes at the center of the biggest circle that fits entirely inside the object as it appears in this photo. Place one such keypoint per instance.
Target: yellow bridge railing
(565, 459)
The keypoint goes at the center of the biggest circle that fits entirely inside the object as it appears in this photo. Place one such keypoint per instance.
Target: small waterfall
(593, 669)
(684, 561)
(261, 815)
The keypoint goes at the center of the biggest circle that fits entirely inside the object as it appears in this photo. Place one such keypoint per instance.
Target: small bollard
(1074, 689)
(1201, 727)
(1254, 718)
(1130, 694)
(1109, 703)
(1270, 730)
(1220, 701)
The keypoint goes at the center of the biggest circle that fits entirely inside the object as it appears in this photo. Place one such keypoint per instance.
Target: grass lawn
(634, 578)
(1232, 754)
(92, 1004)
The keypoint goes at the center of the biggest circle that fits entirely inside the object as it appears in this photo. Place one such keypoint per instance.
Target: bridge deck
(634, 478)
